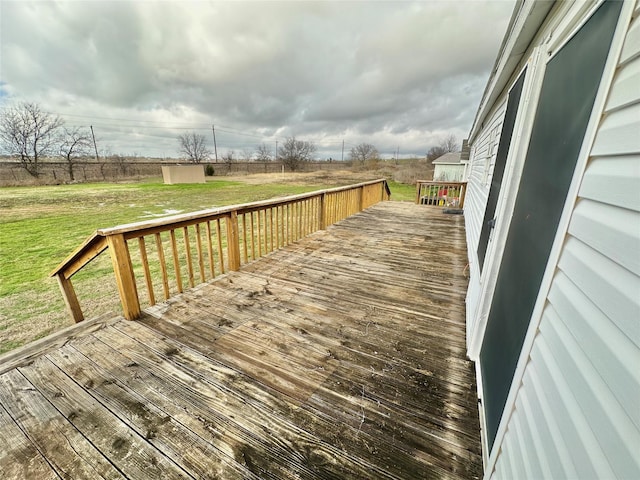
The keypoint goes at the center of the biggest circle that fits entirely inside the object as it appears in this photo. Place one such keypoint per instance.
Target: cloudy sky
(395, 74)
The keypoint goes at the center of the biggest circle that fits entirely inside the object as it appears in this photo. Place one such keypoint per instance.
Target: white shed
(449, 168)
(553, 230)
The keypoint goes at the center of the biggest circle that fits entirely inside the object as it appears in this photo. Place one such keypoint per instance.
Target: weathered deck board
(340, 356)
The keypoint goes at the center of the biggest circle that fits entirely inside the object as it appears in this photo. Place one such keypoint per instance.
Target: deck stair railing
(442, 194)
(167, 255)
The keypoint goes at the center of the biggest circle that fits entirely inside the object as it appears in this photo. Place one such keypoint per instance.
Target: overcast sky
(394, 74)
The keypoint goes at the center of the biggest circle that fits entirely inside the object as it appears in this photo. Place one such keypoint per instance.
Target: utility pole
(215, 147)
(276, 159)
(342, 157)
(94, 142)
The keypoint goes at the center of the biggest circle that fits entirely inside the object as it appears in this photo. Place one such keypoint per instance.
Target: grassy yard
(40, 226)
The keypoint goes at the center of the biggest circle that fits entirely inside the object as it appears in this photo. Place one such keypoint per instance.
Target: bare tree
(450, 143)
(120, 161)
(363, 152)
(193, 146)
(446, 145)
(75, 144)
(263, 153)
(29, 133)
(295, 152)
(247, 154)
(435, 152)
(229, 157)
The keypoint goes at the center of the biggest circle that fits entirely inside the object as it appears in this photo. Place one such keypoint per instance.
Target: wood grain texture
(70, 298)
(340, 356)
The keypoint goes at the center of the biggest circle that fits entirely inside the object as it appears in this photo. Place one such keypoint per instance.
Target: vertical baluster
(163, 266)
(289, 223)
(220, 254)
(265, 231)
(347, 203)
(147, 273)
(187, 249)
(259, 235)
(300, 207)
(253, 238)
(282, 225)
(244, 237)
(302, 225)
(326, 221)
(343, 205)
(332, 210)
(285, 224)
(295, 216)
(176, 260)
(271, 228)
(305, 219)
(277, 229)
(212, 269)
(200, 254)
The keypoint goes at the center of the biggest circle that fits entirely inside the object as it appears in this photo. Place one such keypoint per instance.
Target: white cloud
(389, 73)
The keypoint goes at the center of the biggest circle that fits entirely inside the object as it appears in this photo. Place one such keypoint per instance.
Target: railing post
(123, 270)
(233, 241)
(70, 298)
(463, 193)
(418, 193)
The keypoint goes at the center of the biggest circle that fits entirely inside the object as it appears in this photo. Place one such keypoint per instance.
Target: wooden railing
(204, 244)
(443, 194)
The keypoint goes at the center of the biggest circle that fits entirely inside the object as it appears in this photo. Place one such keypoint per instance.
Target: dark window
(498, 169)
(568, 92)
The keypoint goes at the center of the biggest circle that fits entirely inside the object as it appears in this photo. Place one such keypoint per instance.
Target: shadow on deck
(340, 356)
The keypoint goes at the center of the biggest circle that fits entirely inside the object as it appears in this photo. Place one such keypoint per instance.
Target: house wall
(576, 411)
(482, 157)
(572, 411)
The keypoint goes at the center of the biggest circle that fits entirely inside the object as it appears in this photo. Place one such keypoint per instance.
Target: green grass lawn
(401, 192)
(40, 226)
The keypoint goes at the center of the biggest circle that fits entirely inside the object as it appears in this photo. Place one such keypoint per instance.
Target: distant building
(449, 168)
(552, 216)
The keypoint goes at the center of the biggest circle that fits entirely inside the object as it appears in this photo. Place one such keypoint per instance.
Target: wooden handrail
(248, 231)
(443, 194)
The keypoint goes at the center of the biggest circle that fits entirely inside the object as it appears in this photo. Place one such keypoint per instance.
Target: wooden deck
(340, 356)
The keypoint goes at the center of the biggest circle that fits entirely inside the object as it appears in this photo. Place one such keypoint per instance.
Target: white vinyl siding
(476, 200)
(484, 150)
(577, 412)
